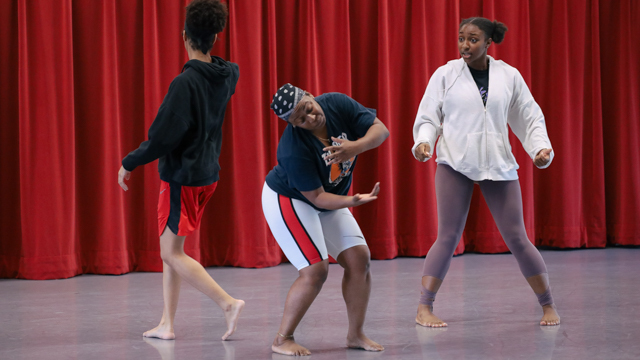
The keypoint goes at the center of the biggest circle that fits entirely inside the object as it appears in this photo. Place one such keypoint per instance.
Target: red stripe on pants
(297, 230)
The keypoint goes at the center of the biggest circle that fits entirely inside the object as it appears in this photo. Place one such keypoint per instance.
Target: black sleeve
(165, 134)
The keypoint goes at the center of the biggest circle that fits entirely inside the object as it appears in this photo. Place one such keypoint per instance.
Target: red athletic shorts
(180, 207)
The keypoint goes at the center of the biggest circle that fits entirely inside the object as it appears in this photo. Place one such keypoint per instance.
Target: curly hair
(492, 29)
(204, 19)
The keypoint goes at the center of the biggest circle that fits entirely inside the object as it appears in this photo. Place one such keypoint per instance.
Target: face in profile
(307, 114)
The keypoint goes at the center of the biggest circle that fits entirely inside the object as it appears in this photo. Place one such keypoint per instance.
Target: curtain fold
(621, 119)
(83, 80)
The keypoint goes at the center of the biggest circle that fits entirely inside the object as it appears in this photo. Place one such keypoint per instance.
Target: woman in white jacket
(468, 104)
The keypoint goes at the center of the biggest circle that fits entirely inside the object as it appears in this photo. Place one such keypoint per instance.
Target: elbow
(385, 134)
(383, 131)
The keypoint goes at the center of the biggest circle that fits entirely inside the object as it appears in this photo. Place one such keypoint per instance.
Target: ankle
(282, 338)
(228, 304)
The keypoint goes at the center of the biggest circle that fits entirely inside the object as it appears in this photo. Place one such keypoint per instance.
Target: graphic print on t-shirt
(341, 170)
(483, 94)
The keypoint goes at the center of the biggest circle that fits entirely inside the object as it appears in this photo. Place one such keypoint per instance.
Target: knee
(165, 256)
(355, 261)
(168, 256)
(359, 267)
(517, 242)
(446, 244)
(316, 276)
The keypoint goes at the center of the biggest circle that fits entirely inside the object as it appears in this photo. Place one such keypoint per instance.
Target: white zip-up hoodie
(474, 138)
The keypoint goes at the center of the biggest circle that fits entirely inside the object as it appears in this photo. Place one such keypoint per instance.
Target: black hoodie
(186, 135)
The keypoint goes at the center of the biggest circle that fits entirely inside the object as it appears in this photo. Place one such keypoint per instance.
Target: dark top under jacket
(481, 77)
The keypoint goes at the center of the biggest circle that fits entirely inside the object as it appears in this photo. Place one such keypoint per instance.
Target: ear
(489, 41)
(184, 35)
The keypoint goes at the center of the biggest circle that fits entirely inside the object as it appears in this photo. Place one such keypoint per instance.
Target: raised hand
(543, 157)
(423, 152)
(359, 199)
(343, 152)
(122, 175)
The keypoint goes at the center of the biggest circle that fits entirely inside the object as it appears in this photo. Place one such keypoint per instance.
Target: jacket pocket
(472, 158)
(499, 157)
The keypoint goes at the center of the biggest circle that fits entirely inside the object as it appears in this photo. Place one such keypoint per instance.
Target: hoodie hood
(217, 71)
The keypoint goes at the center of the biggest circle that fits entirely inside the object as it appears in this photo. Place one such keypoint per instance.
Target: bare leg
(356, 288)
(540, 284)
(453, 195)
(170, 293)
(172, 252)
(301, 294)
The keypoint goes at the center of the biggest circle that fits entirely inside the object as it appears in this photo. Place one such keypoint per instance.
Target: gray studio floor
(492, 314)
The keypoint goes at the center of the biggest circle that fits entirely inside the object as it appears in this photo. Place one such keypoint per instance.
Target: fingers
(426, 153)
(123, 174)
(376, 189)
(423, 152)
(122, 184)
(334, 147)
(543, 157)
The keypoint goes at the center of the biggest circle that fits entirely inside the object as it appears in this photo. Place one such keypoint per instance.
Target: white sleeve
(427, 126)
(527, 121)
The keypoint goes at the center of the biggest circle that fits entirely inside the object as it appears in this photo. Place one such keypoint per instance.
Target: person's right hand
(359, 199)
(423, 152)
(122, 175)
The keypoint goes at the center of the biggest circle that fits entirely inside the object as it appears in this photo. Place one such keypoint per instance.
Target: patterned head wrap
(285, 100)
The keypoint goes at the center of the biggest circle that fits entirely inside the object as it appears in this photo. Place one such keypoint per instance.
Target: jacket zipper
(486, 140)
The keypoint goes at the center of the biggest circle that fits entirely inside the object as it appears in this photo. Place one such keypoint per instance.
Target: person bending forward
(305, 203)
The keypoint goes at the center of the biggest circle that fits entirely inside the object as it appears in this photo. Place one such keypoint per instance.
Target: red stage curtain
(81, 82)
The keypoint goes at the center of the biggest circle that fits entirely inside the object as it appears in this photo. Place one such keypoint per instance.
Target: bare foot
(232, 314)
(161, 331)
(550, 316)
(426, 317)
(288, 346)
(363, 342)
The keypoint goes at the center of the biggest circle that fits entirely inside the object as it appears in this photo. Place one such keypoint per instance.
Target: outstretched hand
(423, 152)
(359, 199)
(543, 157)
(343, 152)
(122, 175)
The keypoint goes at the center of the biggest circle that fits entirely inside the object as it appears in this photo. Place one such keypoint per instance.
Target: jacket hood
(218, 70)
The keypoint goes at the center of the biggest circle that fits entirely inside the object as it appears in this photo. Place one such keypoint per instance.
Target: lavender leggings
(453, 194)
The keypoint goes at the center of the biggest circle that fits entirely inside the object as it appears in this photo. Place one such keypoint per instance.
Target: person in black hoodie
(186, 136)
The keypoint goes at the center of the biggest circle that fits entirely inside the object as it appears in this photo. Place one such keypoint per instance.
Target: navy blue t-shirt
(301, 165)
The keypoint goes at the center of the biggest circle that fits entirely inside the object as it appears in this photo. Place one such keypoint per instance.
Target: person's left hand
(543, 157)
(343, 152)
(122, 175)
